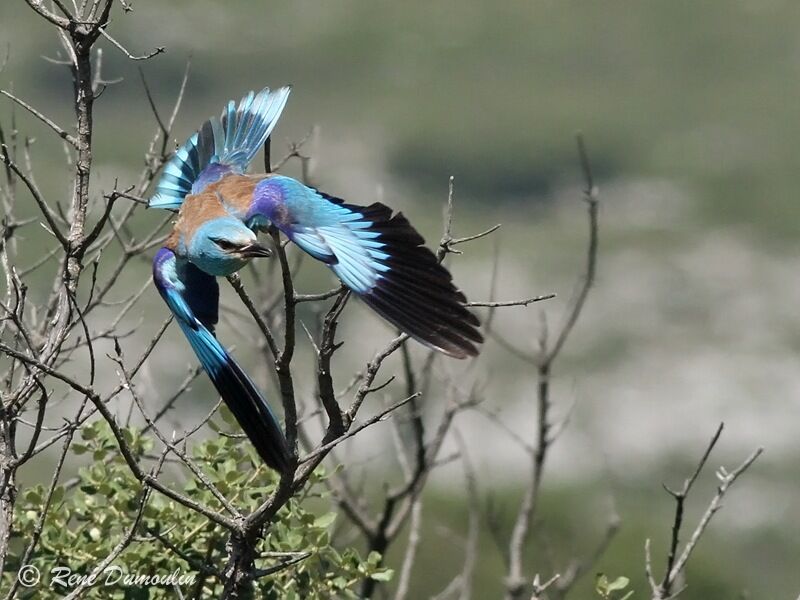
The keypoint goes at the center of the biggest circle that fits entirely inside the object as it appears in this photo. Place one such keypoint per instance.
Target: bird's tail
(232, 140)
(241, 396)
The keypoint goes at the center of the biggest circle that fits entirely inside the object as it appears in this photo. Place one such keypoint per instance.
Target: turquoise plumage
(193, 297)
(222, 146)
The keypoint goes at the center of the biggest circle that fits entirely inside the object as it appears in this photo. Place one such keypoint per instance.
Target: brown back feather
(230, 196)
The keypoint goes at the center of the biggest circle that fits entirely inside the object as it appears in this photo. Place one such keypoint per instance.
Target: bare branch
(152, 103)
(47, 213)
(680, 498)
(236, 284)
(325, 448)
(411, 550)
(447, 238)
(47, 121)
(675, 566)
(516, 583)
(36, 5)
(469, 238)
(170, 446)
(121, 48)
(523, 302)
(473, 536)
(590, 195)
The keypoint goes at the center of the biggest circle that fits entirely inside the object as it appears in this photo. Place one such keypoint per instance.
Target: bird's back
(231, 196)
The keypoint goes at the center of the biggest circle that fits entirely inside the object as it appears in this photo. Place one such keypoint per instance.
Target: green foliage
(612, 590)
(90, 516)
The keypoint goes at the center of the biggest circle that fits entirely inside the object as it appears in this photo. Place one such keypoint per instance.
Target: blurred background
(690, 112)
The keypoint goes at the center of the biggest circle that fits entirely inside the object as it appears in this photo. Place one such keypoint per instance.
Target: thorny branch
(676, 558)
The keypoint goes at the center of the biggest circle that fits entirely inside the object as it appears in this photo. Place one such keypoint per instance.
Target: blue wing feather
(193, 297)
(379, 256)
(222, 145)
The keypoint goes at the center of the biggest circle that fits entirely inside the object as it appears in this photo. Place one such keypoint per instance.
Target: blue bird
(374, 252)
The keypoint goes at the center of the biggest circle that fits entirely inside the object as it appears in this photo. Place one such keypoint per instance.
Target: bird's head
(223, 246)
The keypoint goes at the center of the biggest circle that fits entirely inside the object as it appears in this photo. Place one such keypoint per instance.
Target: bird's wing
(193, 297)
(222, 145)
(379, 256)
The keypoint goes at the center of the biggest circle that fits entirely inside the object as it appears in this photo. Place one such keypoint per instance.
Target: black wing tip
(451, 335)
(427, 319)
(460, 353)
(460, 350)
(275, 456)
(417, 293)
(277, 461)
(253, 415)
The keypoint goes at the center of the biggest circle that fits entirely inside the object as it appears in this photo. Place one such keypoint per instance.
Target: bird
(374, 251)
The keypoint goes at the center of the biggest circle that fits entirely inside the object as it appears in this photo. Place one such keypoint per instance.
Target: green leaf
(325, 521)
(129, 435)
(384, 575)
(601, 584)
(33, 496)
(620, 583)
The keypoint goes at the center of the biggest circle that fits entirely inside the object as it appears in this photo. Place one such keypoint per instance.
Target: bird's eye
(224, 244)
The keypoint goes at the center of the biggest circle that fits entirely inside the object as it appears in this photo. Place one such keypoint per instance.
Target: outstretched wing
(193, 297)
(379, 256)
(222, 145)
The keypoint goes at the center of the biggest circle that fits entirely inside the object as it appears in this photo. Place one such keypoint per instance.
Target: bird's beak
(254, 250)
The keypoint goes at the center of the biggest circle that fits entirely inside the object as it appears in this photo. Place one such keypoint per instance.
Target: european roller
(374, 252)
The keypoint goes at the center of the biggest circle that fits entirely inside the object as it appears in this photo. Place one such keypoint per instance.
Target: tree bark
(8, 488)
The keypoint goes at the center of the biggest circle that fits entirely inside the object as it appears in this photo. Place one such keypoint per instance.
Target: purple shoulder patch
(268, 203)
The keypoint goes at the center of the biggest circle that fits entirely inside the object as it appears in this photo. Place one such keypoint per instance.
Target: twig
(590, 195)
(473, 536)
(523, 302)
(121, 48)
(324, 449)
(47, 121)
(170, 446)
(516, 583)
(411, 550)
(46, 211)
(680, 498)
(675, 566)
